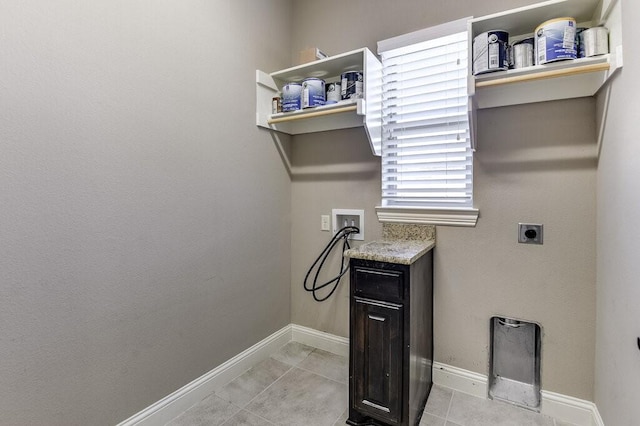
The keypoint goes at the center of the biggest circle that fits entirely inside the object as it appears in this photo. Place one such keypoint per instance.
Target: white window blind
(427, 160)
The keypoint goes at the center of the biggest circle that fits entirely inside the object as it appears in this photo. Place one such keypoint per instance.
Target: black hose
(343, 234)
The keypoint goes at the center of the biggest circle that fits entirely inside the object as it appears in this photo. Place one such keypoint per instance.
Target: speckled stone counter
(402, 244)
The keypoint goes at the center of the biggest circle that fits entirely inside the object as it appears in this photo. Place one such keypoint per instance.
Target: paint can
(312, 92)
(334, 94)
(596, 41)
(490, 52)
(555, 40)
(291, 97)
(276, 105)
(523, 53)
(352, 85)
(580, 42)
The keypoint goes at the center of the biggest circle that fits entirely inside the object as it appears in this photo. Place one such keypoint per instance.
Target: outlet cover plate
(525, 233)
(338, 216)
(325, 220)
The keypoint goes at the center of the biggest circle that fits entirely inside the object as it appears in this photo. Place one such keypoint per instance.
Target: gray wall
(138, 201)
(524, 173)
(618, 327)
(144, 219)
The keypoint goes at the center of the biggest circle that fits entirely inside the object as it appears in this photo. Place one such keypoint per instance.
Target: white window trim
(428, 216)
(464, 217)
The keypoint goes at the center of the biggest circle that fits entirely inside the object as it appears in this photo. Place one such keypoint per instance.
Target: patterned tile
(244, 388)
(244, 418)
(343, 419)
(211, 411)
(439, 401)
(430, 420)
(302, 386)
(301, 398)
(334, 367)
(292, 353)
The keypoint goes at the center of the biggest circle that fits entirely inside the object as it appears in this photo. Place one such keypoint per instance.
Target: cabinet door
(377, 359)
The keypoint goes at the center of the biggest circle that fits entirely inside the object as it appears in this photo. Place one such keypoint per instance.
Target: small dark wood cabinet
(391, 341)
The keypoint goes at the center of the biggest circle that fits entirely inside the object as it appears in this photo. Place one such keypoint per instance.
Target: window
(427, 159)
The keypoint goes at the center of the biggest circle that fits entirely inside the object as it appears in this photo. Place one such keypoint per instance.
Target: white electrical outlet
(325, 224)
(348, 217)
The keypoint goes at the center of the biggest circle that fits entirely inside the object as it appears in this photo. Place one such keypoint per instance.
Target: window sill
(428, 216)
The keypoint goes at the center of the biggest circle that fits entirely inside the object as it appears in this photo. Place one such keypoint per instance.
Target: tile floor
(301, 385)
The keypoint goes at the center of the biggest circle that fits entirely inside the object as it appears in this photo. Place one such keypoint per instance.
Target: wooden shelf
(339, 108)
(345, 114)
(559, 80)
(319, 119)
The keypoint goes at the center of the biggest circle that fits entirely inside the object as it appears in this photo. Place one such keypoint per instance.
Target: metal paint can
(580, 42)
(334, 94)
(313, 94)
(523, 53)
(555, 40)
(291, 97)
(352, 85)
(490, 52)
(276, 105)
(596, 41)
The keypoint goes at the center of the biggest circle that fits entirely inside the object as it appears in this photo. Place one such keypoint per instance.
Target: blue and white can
(291, 93)
(313, 94)
(352, 85)
(490, 52)
(580, 42)
(555, 40)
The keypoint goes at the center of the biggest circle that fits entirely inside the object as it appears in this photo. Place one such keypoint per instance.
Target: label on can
(352, 85)
(291, 93)
(580, 42)
(313, 94)
(490, 52)
(334, 94)
(556, 40)
(276, 105)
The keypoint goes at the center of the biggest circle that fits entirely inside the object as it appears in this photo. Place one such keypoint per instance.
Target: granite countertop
(402, 244)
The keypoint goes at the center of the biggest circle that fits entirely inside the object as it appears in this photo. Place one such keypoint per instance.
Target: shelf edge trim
(312, 114)
(544, 75)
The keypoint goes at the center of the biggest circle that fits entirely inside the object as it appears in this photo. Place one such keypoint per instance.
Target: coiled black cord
(343, 235)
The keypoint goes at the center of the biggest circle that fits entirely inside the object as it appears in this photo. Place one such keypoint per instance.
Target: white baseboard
(569, 409)
(179, 401)
(321, 340)
(464, 381)
(597, 419)
(561, 407)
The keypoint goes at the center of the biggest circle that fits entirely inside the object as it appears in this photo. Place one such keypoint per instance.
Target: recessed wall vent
(514, 371)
